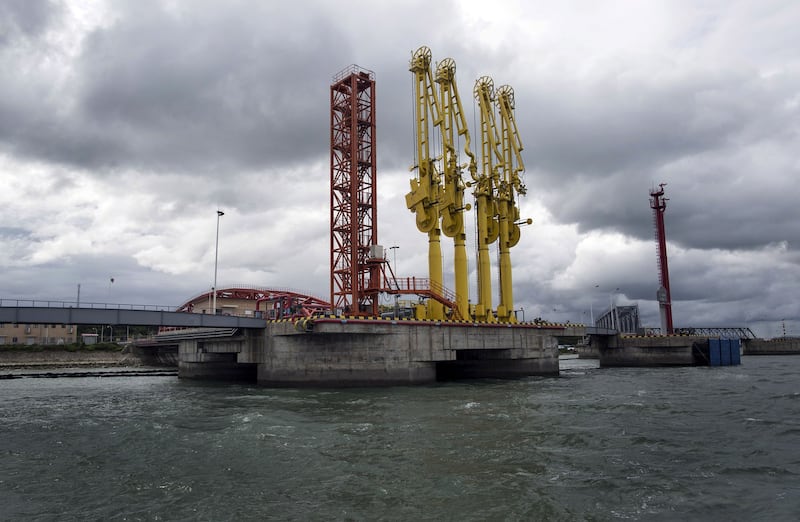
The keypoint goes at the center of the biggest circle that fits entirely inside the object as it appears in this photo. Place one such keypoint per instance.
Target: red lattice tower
(659, 204)
(355, 271)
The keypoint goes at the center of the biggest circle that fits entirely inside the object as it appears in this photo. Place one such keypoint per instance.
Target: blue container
(736, 356)
(725, 352)
(714, 356)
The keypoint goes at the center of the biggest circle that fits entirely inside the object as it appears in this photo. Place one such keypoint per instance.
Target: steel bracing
(715, 331)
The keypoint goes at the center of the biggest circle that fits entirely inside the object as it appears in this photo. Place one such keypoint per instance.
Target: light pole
(591, 307)
(613, 309)
(394, 271)
(216, 257)
(394, 254)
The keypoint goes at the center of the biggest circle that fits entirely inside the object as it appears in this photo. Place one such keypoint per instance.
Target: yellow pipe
(483, 309)
(506, 306)
(435, 308)
(461, 274)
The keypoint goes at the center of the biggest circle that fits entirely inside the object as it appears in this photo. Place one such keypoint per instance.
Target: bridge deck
(77, 316)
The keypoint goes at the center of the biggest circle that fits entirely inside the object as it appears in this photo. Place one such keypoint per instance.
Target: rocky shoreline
(24, 359)
(19, 364)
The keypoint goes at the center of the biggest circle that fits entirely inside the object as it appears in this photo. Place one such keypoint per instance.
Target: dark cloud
(168, 88)
(14, 232)
(207, 89)
(25, 18)
(720, 141)
(161, 112)
(599, 126)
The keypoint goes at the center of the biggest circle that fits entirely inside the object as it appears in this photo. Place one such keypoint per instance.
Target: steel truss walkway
(723, 333)
(423, 286)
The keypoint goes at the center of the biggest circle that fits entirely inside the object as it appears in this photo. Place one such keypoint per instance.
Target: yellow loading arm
(452, 124)
(426, 190)
(509, 186)
(426, 186)
(485, 182)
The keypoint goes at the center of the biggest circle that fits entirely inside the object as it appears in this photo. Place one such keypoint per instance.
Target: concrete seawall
(153, 354)
(63, 358)
(649, 351)
(342, 352)
(779, 346)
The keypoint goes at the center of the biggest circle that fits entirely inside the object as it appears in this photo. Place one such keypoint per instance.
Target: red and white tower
(659, 204)
(356, 261)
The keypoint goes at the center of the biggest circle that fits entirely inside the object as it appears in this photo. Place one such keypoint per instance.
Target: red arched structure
(271, 303)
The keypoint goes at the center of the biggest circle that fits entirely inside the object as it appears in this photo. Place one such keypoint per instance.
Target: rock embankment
(65, 358)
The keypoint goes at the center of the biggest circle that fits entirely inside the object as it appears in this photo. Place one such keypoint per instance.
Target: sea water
(693, 443)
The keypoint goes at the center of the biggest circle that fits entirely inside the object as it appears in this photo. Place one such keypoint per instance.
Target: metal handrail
(47, 303)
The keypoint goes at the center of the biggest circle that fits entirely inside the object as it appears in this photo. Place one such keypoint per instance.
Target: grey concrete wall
(780, 346)
(214, 359)
(370, 353)
(345, 354)
(217, 371)
(63, 358)
(380, 353)
(591, 351)
(649, 351)
(156, 355)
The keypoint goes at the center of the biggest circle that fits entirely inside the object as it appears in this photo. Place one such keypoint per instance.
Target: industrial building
(13, 333)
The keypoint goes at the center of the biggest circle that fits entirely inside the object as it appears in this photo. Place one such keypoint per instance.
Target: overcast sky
(124, 125)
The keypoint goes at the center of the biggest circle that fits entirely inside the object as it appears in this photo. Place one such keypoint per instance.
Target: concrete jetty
(368, 352)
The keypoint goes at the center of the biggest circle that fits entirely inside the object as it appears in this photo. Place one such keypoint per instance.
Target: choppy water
(594, 444)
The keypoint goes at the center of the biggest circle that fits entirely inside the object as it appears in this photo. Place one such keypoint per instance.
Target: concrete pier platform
(667, 350)
(648, 351)
(372, 352)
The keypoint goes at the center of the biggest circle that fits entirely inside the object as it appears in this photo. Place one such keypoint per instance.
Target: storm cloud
(124, 125)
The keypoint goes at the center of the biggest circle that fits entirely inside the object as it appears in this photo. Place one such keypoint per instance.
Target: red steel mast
(355, 265)
(659, 204)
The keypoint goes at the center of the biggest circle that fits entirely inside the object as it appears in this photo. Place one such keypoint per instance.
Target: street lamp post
(394, 271)
(216, 257)
(394, 254)
(591, 307)
(613, 310)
